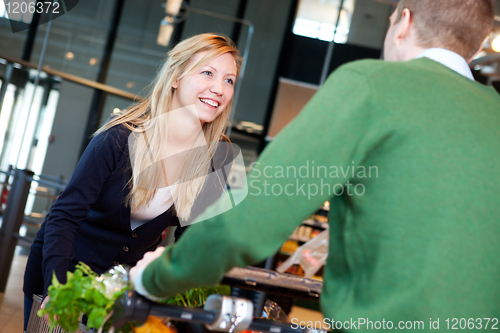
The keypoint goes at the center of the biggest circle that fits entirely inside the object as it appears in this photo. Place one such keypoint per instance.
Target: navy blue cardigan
(90, 221)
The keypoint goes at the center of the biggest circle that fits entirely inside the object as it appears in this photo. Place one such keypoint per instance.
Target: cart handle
(132, 307)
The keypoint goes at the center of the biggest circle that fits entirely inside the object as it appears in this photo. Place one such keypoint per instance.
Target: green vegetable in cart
(85, 292)
(196, 297)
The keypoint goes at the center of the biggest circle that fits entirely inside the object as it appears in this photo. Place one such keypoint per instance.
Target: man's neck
(412, 53)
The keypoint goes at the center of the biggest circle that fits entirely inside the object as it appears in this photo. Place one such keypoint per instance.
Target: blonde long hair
(138, 119)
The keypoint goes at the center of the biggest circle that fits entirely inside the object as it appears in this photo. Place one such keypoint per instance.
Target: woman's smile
(210, 88)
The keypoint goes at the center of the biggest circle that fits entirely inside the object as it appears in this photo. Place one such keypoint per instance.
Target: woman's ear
(175, 85)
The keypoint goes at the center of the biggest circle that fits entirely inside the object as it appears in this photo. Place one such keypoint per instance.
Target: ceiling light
(93, 61)
(173, 7)
(69, 56)
(481, 54)
(116, 110)
(130, 84)
(495, 44)
(166, 30)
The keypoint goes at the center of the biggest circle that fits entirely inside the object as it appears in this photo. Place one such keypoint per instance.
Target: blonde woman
(144, 170)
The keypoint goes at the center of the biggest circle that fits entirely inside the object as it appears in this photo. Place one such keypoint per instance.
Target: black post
(242, 6)
(9, 68)
(12, 221)
(99, 96)
(30, 37)
(282, 64)
(179, 27)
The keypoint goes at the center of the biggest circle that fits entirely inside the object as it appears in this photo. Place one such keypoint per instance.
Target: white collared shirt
(450, 59)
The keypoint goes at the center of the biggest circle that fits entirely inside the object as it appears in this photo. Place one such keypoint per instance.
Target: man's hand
(145, 261)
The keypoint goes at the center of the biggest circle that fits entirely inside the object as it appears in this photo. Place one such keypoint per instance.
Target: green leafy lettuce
(85, 292)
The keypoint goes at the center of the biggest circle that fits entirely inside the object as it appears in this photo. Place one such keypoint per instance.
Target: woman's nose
(216, 87)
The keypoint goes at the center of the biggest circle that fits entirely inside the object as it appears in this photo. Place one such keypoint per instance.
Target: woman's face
(210, 88)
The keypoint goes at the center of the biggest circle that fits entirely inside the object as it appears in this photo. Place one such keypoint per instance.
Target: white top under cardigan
(160, 203)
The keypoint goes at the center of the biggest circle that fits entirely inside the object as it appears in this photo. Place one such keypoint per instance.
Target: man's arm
(283, 190)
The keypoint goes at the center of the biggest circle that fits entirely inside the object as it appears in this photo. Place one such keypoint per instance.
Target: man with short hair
(459, 26)
(416, 240)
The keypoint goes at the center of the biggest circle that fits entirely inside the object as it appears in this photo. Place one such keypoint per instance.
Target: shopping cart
(221, 314)
(38, 325)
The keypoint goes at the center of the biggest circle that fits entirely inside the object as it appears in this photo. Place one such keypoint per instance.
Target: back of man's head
(460, 26)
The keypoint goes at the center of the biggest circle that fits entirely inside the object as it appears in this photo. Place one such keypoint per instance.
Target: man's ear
(403, 27)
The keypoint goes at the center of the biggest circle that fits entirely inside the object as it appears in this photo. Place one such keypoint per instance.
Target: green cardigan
(415, 228)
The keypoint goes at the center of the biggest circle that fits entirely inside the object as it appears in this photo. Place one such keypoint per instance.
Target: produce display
(154, 325)
(310, 228)
(87, 293)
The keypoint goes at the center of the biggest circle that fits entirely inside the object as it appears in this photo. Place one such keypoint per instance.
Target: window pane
(317, 19)
(77, 39)
(11, 44)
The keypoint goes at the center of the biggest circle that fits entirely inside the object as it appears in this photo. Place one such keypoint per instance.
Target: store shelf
(302, 239)
(308, 230)
(316, 224)
(274, 283)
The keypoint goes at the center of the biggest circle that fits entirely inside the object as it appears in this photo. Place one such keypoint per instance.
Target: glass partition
(11, 44)
(77, 39)
(42, 127)
(359, 22)
(318, 19)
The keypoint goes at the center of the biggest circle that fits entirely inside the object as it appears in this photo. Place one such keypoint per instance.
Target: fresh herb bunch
(196, 297)
(84, 293)
(87, 293)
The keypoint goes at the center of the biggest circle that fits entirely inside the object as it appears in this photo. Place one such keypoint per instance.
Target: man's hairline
(401, 6)
(399, 16)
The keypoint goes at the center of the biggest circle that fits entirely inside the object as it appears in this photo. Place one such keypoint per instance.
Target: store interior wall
(199, 23)
(67, 130)
(365, 40)
(369, 24)
(269, 18)
(11, 44)
(136, 59)
(77, 42)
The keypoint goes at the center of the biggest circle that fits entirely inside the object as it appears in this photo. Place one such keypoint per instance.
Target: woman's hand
(45, 316)
(145, 261)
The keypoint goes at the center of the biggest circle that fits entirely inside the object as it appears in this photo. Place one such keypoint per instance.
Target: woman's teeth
(210, 102)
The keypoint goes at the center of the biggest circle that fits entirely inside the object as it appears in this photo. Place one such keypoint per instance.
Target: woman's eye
(230, 81)
(209, 73)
